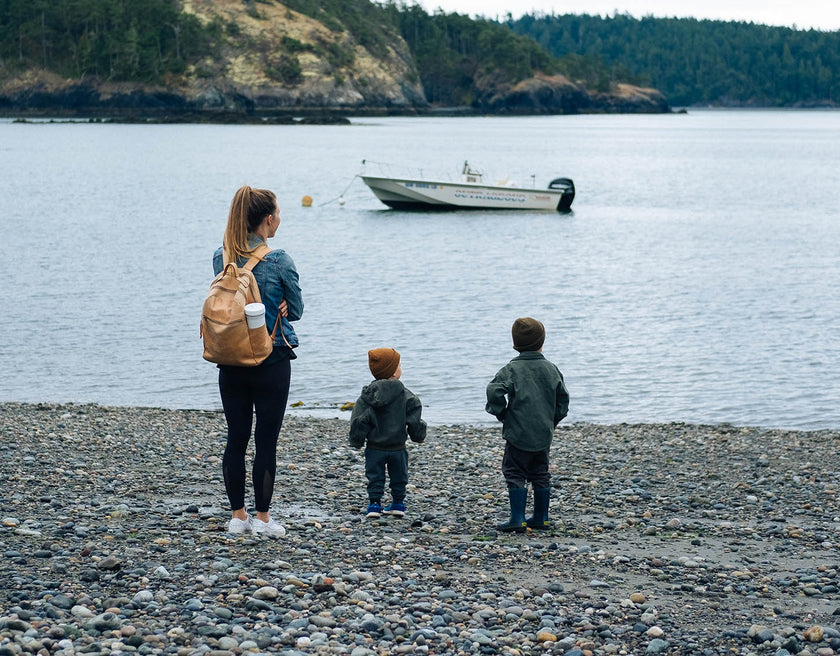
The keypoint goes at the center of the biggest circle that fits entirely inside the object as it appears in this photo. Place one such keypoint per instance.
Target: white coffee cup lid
(254, 309)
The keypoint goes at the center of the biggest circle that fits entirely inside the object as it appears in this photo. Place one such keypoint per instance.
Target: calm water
(698, 278)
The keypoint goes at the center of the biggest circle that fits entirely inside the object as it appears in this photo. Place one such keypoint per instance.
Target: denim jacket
(277, 279)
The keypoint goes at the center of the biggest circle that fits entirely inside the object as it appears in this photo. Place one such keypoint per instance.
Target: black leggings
(244, 390)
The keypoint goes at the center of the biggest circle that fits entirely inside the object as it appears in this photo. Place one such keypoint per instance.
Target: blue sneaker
(374, 509)
(396, 508)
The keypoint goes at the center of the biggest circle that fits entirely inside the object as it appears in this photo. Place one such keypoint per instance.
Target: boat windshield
(470, 175)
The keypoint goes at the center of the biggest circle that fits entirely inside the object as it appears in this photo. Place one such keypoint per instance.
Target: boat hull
(430, 195)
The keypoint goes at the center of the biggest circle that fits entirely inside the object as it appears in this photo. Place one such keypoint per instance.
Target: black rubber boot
(539, 521)
(516, 523)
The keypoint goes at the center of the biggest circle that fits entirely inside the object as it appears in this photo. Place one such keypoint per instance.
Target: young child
(529, 397)
(384, 414)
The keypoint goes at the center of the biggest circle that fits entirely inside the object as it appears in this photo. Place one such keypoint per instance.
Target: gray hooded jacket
(384, 415)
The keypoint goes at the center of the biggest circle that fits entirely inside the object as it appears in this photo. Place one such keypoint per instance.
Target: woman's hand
(283, 308)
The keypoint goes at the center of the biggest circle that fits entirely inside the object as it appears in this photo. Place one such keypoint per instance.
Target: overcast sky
(805, 14)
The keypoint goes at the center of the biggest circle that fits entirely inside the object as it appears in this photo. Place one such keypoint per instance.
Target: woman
(264, 389)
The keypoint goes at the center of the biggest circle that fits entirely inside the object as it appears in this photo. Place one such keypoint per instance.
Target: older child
(383, 415)
(529, 397)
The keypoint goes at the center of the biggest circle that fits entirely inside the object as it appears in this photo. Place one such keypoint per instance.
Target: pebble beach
(667, 539)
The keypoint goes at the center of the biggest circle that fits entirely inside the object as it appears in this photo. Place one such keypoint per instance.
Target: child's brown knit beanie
(528, 334)
(383, 362)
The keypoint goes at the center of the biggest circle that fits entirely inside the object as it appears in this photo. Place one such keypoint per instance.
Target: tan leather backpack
(227, 338)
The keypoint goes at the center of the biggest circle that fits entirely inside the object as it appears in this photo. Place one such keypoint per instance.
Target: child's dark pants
(396, 462)
(522, 467)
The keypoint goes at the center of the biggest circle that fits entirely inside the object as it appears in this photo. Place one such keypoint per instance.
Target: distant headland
(270, 61)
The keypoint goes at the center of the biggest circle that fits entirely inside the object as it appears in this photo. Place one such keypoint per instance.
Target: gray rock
(62, 601)
(657, 646)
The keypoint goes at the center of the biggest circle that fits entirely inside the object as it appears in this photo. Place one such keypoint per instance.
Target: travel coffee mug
(255, 315)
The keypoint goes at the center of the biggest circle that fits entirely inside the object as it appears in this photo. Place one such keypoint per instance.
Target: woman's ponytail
(247, 210)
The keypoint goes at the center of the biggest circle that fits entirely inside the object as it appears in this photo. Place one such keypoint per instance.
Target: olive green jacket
(529, 397)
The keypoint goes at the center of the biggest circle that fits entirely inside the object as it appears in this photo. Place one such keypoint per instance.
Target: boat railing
(467, 174)
(391, 170)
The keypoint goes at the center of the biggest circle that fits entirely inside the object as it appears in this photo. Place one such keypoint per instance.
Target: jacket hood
(380, 393)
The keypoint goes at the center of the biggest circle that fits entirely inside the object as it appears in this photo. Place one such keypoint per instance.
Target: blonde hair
(247, 210)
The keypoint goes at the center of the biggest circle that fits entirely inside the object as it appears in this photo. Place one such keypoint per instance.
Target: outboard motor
(568, 196)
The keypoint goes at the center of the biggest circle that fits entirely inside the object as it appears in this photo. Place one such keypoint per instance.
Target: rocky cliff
(270, 60)
(556, 94)
(280, 59)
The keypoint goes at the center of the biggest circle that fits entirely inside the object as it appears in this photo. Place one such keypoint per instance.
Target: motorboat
(470, 192)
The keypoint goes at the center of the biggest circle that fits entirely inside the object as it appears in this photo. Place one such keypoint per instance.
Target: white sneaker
(240, 525)
(270, 528)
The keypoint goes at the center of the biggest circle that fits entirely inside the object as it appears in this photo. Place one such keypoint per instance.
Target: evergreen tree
(701, 61)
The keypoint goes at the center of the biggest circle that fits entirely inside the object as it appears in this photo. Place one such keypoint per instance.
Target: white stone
(82, 612)
(267, 592)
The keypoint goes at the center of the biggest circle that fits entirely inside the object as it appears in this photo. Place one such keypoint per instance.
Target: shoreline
(293, 116)
(668, 538)
(334, 411)
(322, 117)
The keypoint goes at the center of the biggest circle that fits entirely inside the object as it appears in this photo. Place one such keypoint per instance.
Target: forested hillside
(271, 55)
(701, 61)
(141, 40)
(131, 41)
(460, 61)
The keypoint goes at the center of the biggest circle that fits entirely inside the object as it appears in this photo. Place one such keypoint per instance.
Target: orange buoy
(306, 201)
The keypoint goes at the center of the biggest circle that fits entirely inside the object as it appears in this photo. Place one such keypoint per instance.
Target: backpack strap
(256, 256)
(277, 324)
